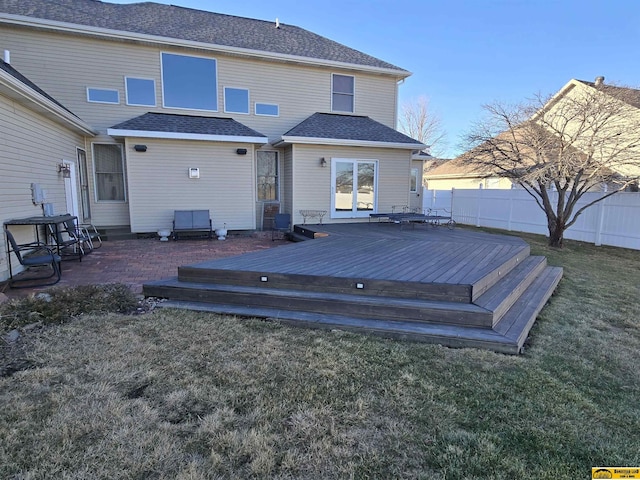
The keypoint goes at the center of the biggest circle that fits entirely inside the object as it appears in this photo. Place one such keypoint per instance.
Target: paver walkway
(134, 262)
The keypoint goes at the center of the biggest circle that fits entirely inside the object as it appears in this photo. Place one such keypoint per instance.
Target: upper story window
(268, 109)
(189, 82)
(103, 95)
(140, 91)
(236, 100)
(342, 93)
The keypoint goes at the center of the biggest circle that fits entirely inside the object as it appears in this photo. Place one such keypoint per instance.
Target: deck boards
(456, 287)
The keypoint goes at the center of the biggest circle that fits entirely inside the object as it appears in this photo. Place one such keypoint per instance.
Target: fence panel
(613, 221)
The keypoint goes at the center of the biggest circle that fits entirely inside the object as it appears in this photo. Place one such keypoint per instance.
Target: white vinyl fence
(613, 221)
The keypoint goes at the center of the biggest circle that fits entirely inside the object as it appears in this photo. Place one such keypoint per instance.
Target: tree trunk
(556, 233)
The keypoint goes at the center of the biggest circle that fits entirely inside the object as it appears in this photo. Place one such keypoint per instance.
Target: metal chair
(35, 254)
(281, 223)
(67, 239)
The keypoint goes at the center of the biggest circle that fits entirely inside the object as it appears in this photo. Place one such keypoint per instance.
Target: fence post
(479, 199)
(600, 223)
(510, 211)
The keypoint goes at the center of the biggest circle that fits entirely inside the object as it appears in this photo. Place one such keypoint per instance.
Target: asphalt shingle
(165, 122)
(347, 127)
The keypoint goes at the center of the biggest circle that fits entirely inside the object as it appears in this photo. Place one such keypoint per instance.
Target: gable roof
(187, 127)
(187, 24)
(628, 95)
(352, 130)
(20, 88)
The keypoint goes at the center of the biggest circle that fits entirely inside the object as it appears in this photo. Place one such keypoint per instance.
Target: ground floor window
(267, 176)
(109, 172)
(354, 187)
(414, 180)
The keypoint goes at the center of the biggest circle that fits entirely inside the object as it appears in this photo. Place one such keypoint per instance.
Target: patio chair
(281, 223)
(35, 254)
(68, 239)
(91, 232)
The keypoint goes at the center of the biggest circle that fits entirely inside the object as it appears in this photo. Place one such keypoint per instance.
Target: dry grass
(186, 395)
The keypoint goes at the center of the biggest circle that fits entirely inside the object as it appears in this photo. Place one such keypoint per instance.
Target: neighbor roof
(628, 95)
(349, 128)
(186, 127)
(171, 21)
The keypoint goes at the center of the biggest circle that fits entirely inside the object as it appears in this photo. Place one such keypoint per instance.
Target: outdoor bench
(190, 222)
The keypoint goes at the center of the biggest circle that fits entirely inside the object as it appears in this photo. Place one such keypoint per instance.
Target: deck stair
(489, 301)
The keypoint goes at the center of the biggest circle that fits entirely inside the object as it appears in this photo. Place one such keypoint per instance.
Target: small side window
(102, 95)
(140, 91)
(268, 109)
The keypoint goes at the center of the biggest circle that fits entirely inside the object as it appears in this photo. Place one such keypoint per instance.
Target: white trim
(186, 136)
(126, 92)
(340, 93)
(71, 189)
(15, 89)
(224, 98)
(168, 41)
(103, 90)
(343, 142)
(162, 82)
(95, 172)
(354, 213)
(255, 109)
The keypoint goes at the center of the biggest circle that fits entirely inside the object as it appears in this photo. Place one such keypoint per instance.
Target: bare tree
(558, 148)
(418, 121)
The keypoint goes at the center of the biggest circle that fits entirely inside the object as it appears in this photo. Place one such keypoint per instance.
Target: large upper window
(354, 187)
(267, 176)
(140, 91)
(189, 82)
(236, 100)
(342, 93)
(109, 172)
(102, 95)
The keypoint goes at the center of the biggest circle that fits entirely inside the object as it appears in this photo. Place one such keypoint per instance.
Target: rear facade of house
(197, 110)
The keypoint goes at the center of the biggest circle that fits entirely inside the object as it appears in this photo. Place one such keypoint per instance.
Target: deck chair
(67, 239)
(281, 223)
(91, 232)
(35, 254)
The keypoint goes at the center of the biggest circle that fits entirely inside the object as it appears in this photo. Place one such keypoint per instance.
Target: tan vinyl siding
(225, 187)
(31, 147)
(313, 182)
(287, 187)
(65, 65)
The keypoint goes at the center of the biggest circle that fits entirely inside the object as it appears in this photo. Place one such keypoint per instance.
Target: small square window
(236, 100)
(102, 95)
(268, 109)
(140, 91)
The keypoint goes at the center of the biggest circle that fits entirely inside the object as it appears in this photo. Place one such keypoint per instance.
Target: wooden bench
(192, 222)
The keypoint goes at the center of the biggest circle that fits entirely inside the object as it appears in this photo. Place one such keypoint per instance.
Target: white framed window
(108, 166)
(189, 82)
(354, 187)
(102, 95)
(140, 91)
(236, 100)
(268, 109)
(267, 176)
(342, 93)
(414, 180)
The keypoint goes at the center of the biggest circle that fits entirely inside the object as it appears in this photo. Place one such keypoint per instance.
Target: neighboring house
(37, 136)
(198, 110)
(457, 173)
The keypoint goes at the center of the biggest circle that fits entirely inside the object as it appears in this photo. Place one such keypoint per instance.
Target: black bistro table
(43, 221)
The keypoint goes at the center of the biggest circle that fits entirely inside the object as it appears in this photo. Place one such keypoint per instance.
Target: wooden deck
(455, 287)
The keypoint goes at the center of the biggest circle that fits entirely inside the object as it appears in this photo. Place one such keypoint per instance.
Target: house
(39, 139)
(188, 109)
(458, 173)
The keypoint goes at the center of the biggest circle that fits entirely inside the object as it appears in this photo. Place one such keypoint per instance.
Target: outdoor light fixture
(323, 162)
(65, 169)
(140, 148)
(241, 151)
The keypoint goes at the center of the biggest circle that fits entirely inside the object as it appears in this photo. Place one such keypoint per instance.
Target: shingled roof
(626, 94)
(186, 127)
(350, 128)
(170, 21)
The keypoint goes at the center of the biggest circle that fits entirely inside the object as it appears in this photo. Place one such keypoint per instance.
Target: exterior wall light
(323, 162)
(140, 148)
(65, 170)
(241, 151)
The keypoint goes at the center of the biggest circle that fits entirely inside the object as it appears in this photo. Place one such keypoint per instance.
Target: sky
(467, 53)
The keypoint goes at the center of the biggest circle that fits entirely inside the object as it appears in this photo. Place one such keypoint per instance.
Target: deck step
(447, 335)
(360, 306)
(502, 295)
(518, 320)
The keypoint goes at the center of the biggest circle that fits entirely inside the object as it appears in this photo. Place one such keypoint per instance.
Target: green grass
(187, 395)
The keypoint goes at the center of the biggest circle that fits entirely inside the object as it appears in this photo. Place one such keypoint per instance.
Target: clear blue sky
(465, 53)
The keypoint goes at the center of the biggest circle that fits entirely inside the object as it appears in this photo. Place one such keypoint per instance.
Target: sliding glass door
(354, 187)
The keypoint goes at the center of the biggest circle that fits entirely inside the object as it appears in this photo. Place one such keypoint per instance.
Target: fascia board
(114, 132)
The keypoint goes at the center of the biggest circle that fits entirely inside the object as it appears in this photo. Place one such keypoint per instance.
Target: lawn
(183, 395)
